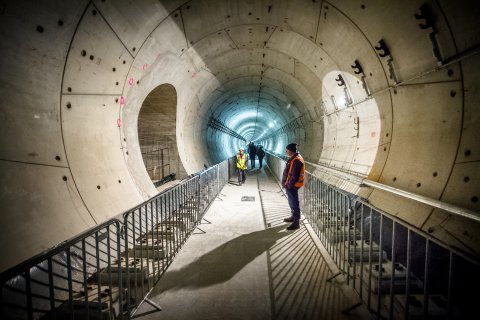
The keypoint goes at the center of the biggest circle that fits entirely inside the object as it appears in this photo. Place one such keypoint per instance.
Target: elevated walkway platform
(241, 263)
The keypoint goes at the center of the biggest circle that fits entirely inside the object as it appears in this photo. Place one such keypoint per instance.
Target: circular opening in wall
(60, 22)
(450, 72)
(362, 6)
(69, 89)
(394, 178)
(466, 179)
(65, 178)
(40, 29)
(57, 158)
(92, 57)
(453, 93)
(83, 53)
(98, 187)
(467, 153)
(119, 181)
(474, 199)
(69, 105)
(94, 12)
(435, 174)
(419, 185)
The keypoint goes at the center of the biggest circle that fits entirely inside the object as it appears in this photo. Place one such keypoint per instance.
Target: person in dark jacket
(292, 180)
(252, 150)
(260, 154)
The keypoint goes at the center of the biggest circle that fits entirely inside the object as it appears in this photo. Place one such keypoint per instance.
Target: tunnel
(381, 91)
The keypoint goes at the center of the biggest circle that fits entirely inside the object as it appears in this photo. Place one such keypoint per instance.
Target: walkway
(241, 263)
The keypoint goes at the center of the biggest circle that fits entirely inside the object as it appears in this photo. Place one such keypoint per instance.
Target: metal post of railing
(426, 277)
(380, 270)
(392, 279)
(409, 265)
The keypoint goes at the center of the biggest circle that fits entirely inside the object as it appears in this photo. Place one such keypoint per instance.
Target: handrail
(470, 214)
(50, 252)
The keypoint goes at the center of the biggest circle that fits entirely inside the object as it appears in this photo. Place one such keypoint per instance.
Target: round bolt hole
(430, 230)
(92, 57)
(453, 93)
(116, 83)
(94, 12)
(385, 149)
(326, 7)
(321, 43)
(249, 13)
(126, 152)
(134, 49)
(60, 22)
(394, 91)
(474, 199)
(119, 181)
(450, 72)
(113, 69)
(124, 139)
(65, 178)
(362, 6)
(57, 158)
(138, 82)
(40, 29)
(467, 153)
(124, 61)
(394, 178)
(435, 174)
(116, 100)
(69, 105)
(69, 89)
(419, 185)
(386, 135)
(98, 187)
(83, 53)
(176, 15)
(371, 74)
(188, 7)
(466, 179)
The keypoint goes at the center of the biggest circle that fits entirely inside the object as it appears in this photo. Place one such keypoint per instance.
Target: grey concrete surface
(242, 263)
(74, 76)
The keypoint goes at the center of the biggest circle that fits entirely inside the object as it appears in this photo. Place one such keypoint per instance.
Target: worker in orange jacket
(292, 180)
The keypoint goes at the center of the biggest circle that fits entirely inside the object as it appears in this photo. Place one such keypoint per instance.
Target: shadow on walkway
(223, 262)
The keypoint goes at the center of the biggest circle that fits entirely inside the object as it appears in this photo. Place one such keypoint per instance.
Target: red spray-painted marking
(122, 101)
(145, 66)
(372, 134)
(194, 75)
(119, 122)
(130, 81)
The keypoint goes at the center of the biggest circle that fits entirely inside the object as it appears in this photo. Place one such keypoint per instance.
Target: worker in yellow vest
(292, 180)
(242, 159)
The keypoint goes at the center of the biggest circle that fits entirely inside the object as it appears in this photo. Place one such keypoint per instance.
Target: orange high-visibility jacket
(289, 175)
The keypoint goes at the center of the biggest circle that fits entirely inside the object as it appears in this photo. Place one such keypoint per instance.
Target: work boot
(293, 226)
(288, 219)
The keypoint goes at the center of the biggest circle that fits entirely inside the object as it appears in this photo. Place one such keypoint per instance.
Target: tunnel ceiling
(381, 89)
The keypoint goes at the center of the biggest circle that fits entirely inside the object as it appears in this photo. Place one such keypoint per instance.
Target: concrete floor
(241, 263)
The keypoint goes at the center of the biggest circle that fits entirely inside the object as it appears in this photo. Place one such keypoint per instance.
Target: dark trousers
(252, 160)
(241, 176)
(294, 204)
(260, 160)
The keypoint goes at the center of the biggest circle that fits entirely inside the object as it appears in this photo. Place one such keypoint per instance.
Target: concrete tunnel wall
(74, 75)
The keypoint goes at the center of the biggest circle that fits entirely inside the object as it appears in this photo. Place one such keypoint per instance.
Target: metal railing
(108, 271)
(398, 271)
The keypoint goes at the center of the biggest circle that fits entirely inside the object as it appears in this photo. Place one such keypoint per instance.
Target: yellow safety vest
(242, 162)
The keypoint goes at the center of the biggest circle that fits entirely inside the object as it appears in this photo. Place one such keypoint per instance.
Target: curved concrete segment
(384, 90)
